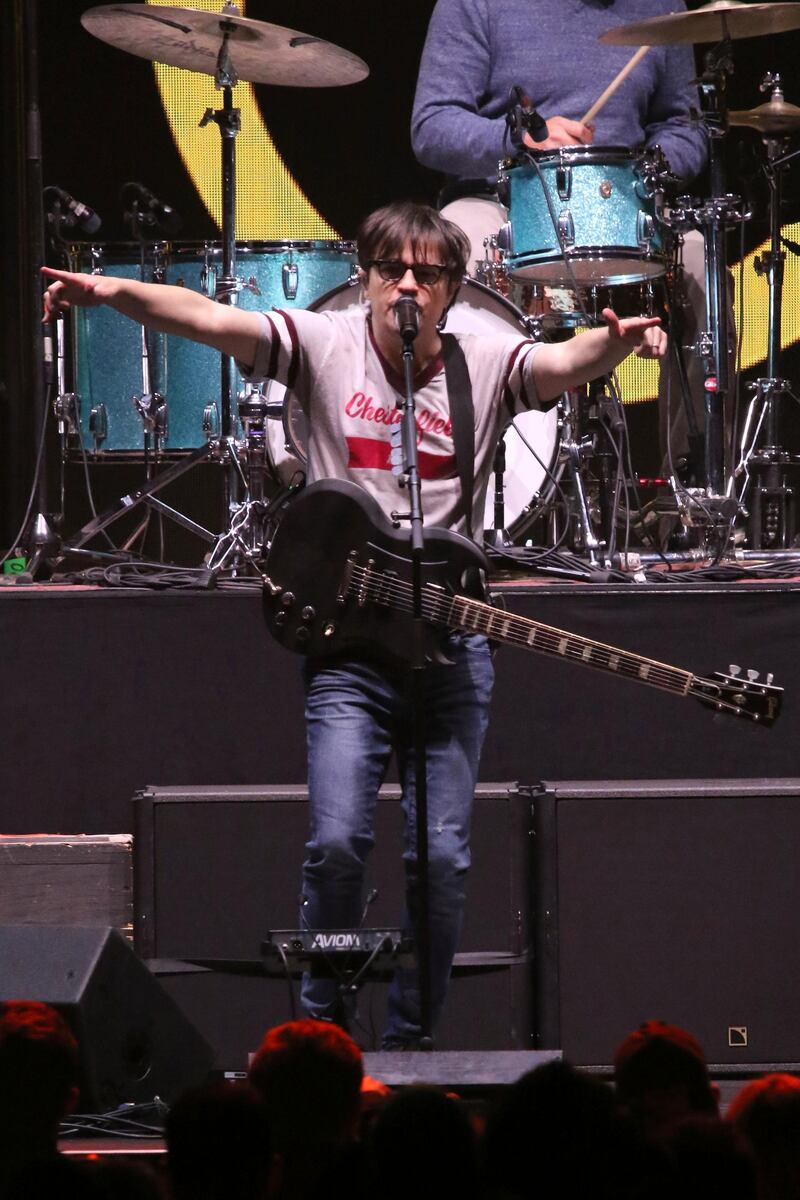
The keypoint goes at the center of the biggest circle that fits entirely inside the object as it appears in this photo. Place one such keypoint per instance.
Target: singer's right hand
(69, 288)
(562, 132)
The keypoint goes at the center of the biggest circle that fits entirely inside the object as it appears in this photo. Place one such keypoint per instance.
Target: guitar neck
(473, 616)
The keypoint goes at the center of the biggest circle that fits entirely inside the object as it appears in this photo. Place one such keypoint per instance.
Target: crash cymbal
(259, 53)
(711, 23)
(774, 117)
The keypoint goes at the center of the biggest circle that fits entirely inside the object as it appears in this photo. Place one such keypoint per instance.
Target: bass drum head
(533, 439)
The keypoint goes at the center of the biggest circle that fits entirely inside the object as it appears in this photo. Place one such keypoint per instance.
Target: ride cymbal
(711, 23)
(774, 117)
(258, 52)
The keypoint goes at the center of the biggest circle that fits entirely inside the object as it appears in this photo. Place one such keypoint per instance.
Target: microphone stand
(40, 537)
(410, 469)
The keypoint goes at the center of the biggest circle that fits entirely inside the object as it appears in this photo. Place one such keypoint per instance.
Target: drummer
(475, 53)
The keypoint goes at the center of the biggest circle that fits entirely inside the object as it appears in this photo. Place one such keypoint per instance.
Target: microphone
(406, 312)
(79, 214)
(523, 118)
(148, 211)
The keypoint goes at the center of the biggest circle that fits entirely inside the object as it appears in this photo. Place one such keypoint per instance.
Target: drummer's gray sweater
(476, 50)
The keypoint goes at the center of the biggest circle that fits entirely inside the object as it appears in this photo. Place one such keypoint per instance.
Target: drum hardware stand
(676, 331)
(228, 121)
(711, 507)
(249, 532)
(772, 518)
(575, 450)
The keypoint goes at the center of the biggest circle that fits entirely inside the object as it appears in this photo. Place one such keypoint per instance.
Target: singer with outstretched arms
(477, 51)
(346, 369)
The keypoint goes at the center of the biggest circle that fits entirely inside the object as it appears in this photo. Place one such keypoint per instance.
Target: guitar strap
(462, 417)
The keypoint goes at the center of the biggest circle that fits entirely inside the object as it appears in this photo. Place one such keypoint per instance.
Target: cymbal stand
(228, 121)
(711, 506)
(772, 511)
(244, 539)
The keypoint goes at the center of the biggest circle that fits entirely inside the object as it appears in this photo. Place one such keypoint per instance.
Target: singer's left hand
(643, 335)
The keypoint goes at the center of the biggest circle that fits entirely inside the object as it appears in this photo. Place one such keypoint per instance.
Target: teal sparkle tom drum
(581, 215)
(271, 275)
(115, 361)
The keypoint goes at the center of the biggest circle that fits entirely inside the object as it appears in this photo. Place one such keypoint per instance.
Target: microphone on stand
(524, 118)
(406, 312)
(76, 212)
(147, 210)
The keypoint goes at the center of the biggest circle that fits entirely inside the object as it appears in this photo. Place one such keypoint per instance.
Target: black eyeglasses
(392, 270)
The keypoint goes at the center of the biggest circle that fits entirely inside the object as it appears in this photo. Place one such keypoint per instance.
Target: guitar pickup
(347, 577)
(365, 586)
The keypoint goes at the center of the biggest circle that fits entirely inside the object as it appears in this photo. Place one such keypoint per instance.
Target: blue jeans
(356, 714)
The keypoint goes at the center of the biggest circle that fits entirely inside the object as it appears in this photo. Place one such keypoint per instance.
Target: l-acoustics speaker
(135, 1043)
(247, 843)
(676, 900)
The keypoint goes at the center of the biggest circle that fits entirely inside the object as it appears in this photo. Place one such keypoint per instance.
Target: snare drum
(585, 204)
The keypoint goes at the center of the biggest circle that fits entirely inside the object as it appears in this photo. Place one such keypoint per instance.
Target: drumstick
(612, 87)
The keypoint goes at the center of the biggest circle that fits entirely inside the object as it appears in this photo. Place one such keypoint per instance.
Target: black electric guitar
(338, 580)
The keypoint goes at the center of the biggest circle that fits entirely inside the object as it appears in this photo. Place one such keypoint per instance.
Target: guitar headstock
(740, 694)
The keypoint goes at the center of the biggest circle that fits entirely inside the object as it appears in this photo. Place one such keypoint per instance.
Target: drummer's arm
(161, 307)
(559, 366)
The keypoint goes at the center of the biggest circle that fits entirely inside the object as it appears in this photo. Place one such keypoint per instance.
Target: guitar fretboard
(474, 616)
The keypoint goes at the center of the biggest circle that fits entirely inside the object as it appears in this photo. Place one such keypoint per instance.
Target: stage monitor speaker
(250, 842)
(135, 1043)
(675, 900)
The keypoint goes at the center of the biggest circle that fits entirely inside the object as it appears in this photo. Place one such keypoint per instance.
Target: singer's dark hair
(385, 232)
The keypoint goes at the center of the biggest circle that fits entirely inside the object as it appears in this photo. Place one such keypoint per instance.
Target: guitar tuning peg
(733, 669)
(770, 678)
(752, 676)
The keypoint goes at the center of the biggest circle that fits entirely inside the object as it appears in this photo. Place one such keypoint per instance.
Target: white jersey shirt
(352, 399)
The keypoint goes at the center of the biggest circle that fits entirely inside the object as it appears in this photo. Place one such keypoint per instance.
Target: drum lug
(66, 409)
(161, 418)
(211, 421)
(566, 228)
(505, 239)
(564, 182)
(98, 425)
(645, 229)
(503, 188)
(289, 279)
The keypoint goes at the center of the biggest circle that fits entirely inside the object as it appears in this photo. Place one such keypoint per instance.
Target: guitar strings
(383, 589)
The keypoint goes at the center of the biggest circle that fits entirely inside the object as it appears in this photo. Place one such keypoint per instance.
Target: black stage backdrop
(103, 124)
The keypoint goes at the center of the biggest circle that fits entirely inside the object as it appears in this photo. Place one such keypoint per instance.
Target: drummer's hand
(643, 335)
(562, 132)
(66, 289)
